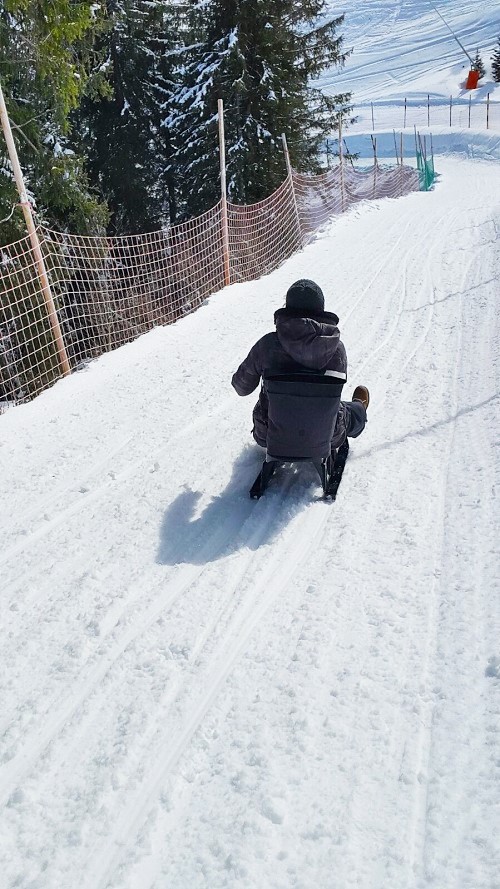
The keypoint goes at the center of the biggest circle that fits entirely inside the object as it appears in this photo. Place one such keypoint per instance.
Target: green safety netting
(426, 171)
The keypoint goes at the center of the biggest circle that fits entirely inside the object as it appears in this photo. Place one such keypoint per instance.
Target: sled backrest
(302, 410)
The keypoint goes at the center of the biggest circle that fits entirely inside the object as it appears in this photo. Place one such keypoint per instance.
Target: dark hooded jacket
(299, 343)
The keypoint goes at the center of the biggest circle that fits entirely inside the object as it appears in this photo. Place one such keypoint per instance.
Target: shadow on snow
(232, 521)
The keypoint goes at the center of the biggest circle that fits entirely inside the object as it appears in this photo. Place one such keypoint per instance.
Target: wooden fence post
(224, 218)
(33, 235)
(341, 161)
(294, 197)
(374, 146)
(395, 147)
(402, 175)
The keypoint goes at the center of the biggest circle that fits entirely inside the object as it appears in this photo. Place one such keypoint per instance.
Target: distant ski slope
(402, 48)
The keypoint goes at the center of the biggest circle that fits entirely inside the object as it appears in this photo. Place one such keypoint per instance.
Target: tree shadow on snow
(231, 521)
(426, 430)
(457, 293)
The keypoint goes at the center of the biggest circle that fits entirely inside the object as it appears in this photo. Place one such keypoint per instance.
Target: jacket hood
(310, 341)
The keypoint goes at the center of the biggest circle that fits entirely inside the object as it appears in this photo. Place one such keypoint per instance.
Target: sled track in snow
(86, 498)
(61, 492)
(57, 720)
(240, 624)
(423, 753)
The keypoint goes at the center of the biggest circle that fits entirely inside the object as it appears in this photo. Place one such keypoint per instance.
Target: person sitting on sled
(306, 339)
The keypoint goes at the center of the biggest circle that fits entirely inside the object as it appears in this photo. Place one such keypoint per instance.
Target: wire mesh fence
(263, 235)
(464, 112)
(109, 290)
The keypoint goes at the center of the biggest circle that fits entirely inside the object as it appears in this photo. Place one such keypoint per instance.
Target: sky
(201, 690)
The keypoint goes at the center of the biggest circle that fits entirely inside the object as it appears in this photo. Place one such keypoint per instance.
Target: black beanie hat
(305, 295)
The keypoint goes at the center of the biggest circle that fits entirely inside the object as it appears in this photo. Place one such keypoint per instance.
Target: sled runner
(330, 471)
(302, 410)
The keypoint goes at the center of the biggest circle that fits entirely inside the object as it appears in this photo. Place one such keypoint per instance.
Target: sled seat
(302, 412)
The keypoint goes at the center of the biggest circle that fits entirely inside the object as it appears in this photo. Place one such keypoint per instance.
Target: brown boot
(361, 394)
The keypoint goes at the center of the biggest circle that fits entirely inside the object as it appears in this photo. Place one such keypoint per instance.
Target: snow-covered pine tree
(45, 50)
(478, 65)
(495, 62)
(119, 120)
(263, 59)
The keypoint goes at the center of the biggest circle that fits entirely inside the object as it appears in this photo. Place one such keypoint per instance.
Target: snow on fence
(108, 291)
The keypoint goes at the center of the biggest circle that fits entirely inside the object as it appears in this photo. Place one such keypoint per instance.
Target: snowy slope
(403, 48)
(198, 690)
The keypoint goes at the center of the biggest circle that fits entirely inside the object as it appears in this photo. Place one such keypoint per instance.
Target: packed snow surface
(202, 691)
(418, 50)
(412, 48)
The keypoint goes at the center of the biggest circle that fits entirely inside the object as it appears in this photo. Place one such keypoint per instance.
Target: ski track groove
(393, 344)
(20, 583)
(418, 829)
(449, 652)
(383, 348)
(179, 585)
(376, 274)
(410, 355)
(215, 618)
(241, 628)
(81, 502)
(64, 489)
(56, 722)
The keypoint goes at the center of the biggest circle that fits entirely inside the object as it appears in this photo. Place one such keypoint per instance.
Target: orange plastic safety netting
(108, 291)
(263, 235)
(321, 197)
